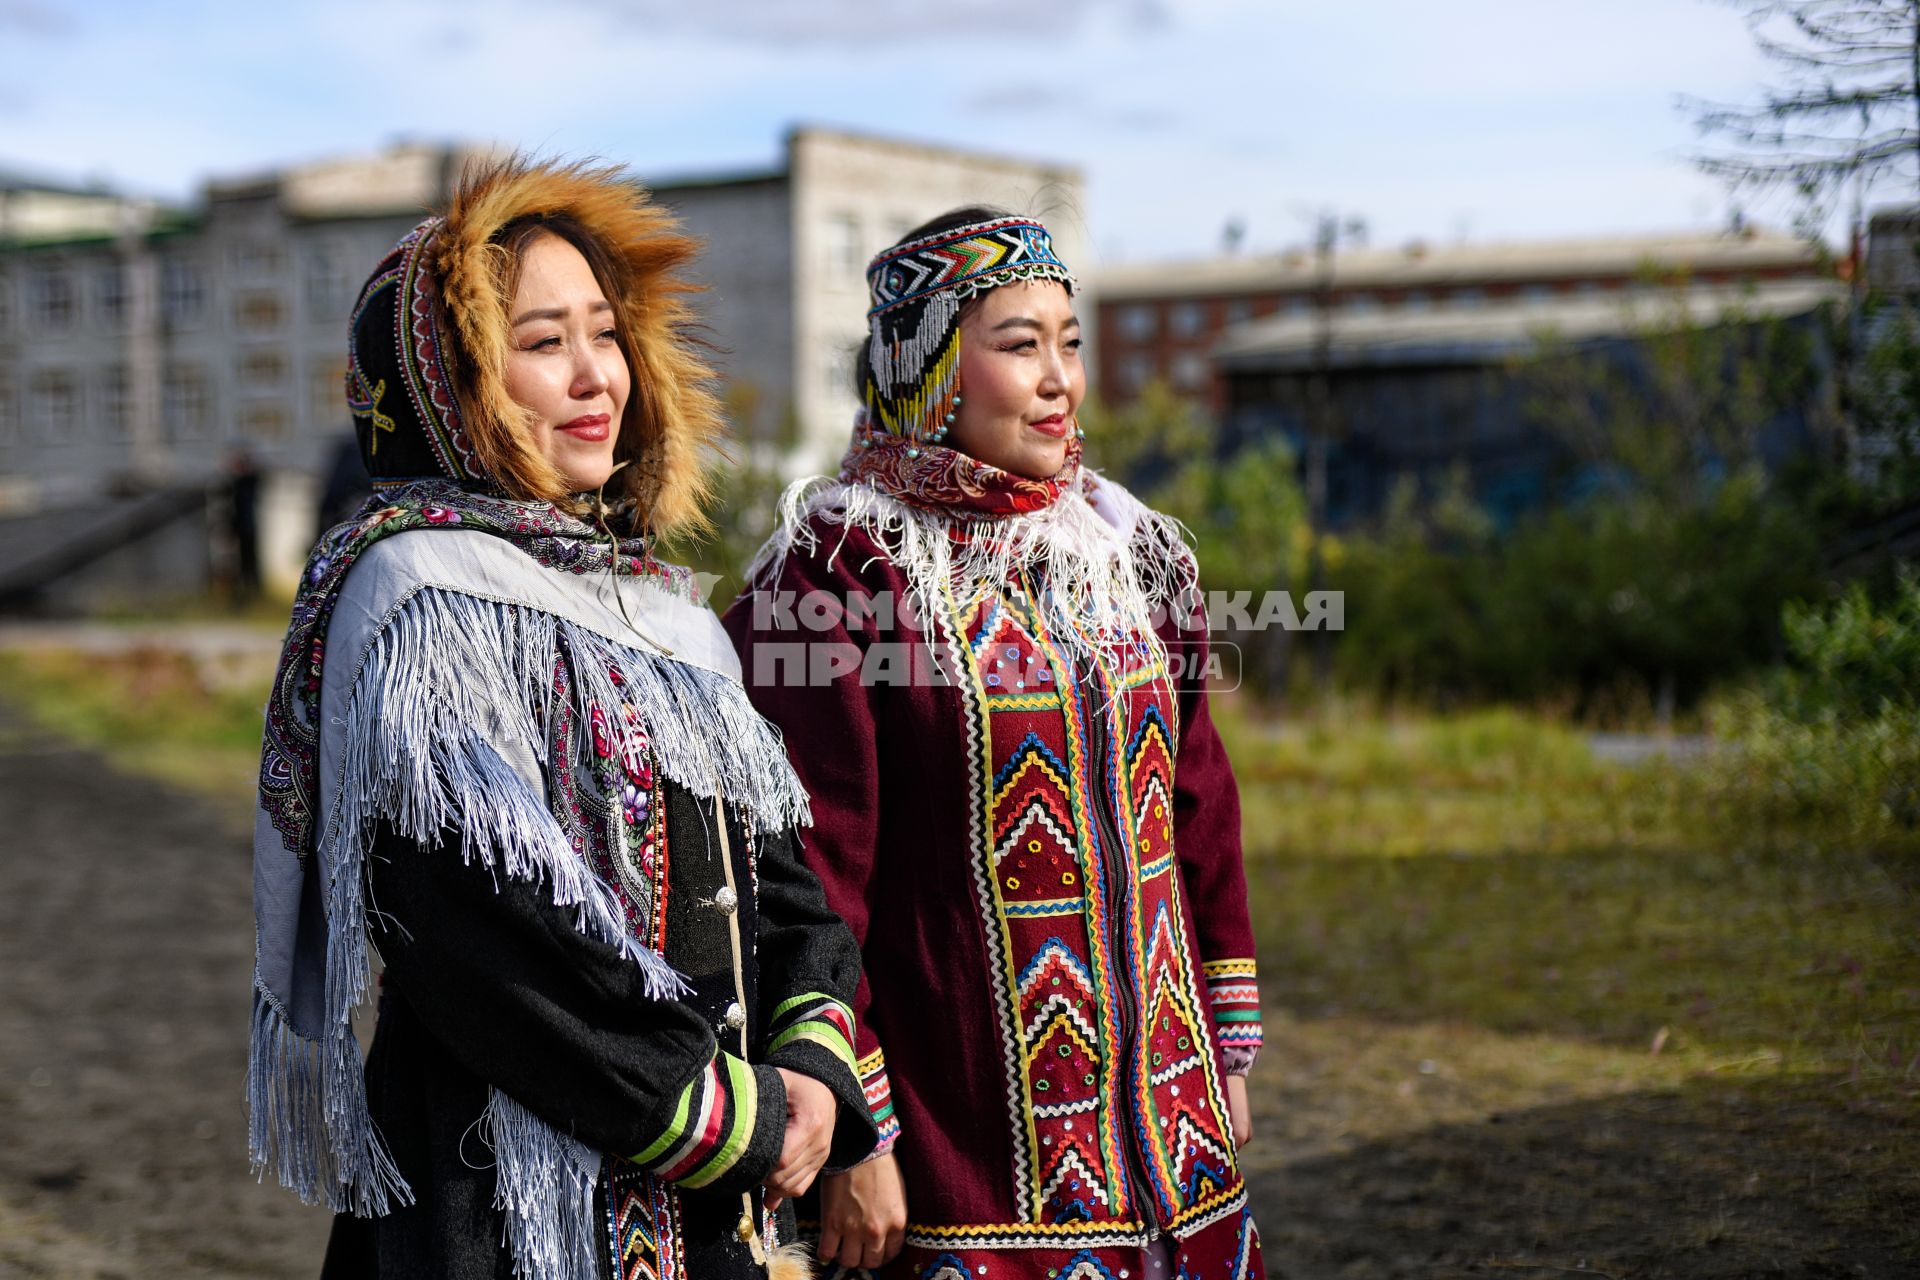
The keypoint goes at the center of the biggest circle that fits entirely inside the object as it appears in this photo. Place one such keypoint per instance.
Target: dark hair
(948, 221)
(519, 235)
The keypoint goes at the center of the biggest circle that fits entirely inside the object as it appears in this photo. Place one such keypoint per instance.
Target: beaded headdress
(917, 289)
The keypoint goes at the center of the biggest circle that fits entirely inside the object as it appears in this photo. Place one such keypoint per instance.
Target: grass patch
(1485, 869)
(150, 711)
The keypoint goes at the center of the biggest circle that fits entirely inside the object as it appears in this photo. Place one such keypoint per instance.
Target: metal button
(726, 899)
(736, 1017)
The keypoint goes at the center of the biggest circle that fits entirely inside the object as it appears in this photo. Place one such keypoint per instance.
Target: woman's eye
(550, 343)
(606, 335)
(1028, 344)
(1074, 344)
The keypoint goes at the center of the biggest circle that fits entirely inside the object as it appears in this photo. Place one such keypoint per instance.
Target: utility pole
(1322, 422)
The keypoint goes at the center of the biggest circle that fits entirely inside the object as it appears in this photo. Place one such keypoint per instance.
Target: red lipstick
(1054, 425)
(592, 427)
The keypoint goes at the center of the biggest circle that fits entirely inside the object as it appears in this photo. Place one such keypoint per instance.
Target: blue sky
(1489, 119)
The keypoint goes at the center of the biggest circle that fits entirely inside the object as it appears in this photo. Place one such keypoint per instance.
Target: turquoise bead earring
(939, 435)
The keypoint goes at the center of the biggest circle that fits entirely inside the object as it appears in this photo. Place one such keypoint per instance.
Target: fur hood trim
(673, 429)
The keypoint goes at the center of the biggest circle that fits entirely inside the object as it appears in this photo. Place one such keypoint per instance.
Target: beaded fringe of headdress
(914, 374)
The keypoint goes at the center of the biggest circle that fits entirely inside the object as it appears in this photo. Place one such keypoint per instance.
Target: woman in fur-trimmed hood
(509, 748)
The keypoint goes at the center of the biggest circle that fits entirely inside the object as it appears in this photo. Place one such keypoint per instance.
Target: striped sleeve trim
(712, 1124)
(1234, 998)
(872, 1071)
(819, 1018)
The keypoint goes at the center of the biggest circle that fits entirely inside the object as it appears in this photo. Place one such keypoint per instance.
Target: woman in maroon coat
(1021, 805)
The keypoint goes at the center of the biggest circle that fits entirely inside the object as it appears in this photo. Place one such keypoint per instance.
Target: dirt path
(126, 945)
(1430, 1152)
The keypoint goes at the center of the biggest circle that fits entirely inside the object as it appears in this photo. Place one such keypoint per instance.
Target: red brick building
(1164, 320)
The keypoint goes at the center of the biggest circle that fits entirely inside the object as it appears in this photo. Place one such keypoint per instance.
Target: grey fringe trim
(450, 689)
(307, 1118)
(545, 1183)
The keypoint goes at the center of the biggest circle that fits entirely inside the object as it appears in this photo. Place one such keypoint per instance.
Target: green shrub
(1833, 736)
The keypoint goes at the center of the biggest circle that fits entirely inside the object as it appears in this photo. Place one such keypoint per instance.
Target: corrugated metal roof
(1395, 336)
(1418, 267)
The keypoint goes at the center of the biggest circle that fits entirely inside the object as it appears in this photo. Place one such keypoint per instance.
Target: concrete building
(787, 251)
(141, 346)
(143, 356)
(1163, 321)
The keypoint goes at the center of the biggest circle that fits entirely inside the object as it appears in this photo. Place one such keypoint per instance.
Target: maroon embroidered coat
(1042, 865)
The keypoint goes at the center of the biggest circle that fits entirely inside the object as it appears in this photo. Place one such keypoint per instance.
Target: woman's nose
(1053, 376)
(590, 377)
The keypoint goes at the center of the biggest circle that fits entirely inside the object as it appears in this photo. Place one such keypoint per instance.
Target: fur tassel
(790, 1262)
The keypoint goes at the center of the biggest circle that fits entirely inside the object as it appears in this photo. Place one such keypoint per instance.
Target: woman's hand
(811, 1109)
(863, 1214)
(1238, 1113)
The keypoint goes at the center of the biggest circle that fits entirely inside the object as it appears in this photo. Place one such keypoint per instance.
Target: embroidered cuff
(1235, 1001)
(813, 1017)
(813, 1035)
(726, 1129)
(872, 1071)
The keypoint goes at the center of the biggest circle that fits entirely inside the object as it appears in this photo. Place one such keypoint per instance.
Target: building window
(1535, 294)
(1135, 373)
(1239, 311)
(183, 292)
(1467, 298)
(186, 404)
(258, 313)
(116, 401)
(257, 260)
(1139, 321)
(1417, 300)
(330, 285)
(842, 232)
(1360, 304)
(261, 368)
(1187, 320)
(264, 422)
(55, 402)
(1190, 371)
(327, 395)
(1297, 307)
(110, 288)
(52, 301)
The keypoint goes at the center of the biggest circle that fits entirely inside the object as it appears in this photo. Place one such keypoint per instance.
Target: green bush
(1623, 596)
(1832, 737)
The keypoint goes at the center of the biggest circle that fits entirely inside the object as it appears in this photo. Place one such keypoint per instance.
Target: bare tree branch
(1848, 107)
